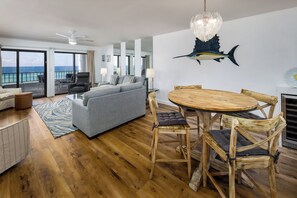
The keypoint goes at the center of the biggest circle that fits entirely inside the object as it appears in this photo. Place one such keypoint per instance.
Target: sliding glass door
(67, 64)
(9, 68)
(25, 69)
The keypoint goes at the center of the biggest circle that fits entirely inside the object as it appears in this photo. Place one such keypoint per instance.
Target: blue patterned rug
(57, 116)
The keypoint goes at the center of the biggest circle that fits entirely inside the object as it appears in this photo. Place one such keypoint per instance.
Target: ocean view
(31, 73)
(37, 69)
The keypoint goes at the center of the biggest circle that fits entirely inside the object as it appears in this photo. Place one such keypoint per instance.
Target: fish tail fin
(231, 55)
(181, 56)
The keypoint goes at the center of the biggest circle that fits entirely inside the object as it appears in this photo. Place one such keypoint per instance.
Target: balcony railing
(25, 77)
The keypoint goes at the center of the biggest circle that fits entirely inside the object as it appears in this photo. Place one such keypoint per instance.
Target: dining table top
(212, 100)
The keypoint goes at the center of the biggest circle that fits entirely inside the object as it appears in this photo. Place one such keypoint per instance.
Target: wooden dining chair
(169, 123)
(188, 112)
(268, 101)
(239, 148)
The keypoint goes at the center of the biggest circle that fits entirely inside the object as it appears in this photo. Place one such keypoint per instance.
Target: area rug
(57, 116)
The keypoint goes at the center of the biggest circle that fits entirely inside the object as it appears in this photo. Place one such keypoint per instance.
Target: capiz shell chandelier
(205, 26)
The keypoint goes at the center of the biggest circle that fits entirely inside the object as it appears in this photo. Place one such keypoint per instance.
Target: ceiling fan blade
(65, 36)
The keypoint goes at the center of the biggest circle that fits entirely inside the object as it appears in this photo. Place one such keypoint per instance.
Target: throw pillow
(129, 79)
(114, 79)
(121, 78)
(140, 79)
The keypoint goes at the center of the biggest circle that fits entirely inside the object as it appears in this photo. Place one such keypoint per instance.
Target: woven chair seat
(246, 115)
(222, 137)
(171, 118)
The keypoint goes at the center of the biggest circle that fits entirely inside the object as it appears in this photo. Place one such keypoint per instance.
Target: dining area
(233, 134)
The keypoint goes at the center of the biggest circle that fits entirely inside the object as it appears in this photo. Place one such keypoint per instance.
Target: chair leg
(188, 151)
(232, 179)
(154, 153)
(152, 143)
(276, 168)
(181, 144)
(205, 158)
(272, 179)
(221, 124)
(239, 176)
(198, 127)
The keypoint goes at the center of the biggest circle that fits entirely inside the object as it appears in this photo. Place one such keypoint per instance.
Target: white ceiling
(113, 21)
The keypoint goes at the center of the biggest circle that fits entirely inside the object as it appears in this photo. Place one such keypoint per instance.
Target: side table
(23, 100)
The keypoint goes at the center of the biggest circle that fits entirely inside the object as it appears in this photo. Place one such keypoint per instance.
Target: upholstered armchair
(82, 83)
(7, 97)
(14, 144)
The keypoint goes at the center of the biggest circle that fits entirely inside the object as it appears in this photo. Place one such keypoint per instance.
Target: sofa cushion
(129, 87)
(129, 79)
(114, 79)
(99, 92)
(140, 79)
(6, 96)
(121, 78)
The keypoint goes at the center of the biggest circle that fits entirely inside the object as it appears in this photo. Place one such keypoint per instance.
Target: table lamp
(150, 74)
(103, 72)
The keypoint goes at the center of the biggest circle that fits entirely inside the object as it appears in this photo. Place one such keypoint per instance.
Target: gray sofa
(105, 108)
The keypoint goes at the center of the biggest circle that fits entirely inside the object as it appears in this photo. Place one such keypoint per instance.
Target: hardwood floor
(115, 164)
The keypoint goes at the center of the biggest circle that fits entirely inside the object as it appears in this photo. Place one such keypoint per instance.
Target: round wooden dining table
(210, 105)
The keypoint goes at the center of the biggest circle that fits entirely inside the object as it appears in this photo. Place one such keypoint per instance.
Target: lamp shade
(103, 71)
(150, 73)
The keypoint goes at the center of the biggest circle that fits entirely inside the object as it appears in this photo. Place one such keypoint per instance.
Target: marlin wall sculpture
(210, 50)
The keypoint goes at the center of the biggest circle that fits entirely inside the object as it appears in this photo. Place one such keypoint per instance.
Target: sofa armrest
(13, 90)
(103, 83)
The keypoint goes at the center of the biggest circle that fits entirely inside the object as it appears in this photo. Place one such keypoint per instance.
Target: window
(25, 69)
(67, 64)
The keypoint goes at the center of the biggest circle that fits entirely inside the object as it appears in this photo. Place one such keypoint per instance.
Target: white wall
(107, 50)
(50, 47)
(267, 49)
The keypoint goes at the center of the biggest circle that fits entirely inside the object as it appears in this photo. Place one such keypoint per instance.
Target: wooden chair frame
(187, 113)
(180, 130)
(270, 101)
(238, 163)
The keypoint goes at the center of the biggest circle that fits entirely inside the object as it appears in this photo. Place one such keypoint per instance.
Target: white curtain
(91, 65)
(0, 67)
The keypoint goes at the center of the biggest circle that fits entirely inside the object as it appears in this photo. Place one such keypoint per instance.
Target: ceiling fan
(73, 38)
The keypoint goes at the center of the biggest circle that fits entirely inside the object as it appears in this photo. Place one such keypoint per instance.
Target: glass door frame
(18, 66)
(74, 61)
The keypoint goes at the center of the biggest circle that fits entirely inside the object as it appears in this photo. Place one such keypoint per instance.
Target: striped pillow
(114, 79)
